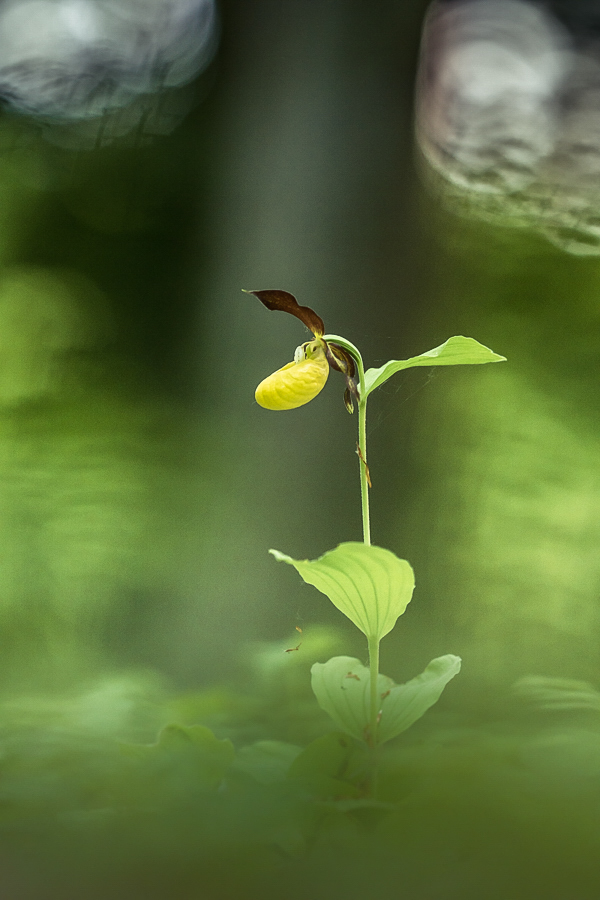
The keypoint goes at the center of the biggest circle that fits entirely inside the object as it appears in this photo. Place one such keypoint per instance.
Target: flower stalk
(368, 584)
(365, 483)
(364, 469)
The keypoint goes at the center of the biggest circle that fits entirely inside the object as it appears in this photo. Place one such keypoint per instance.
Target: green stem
(364, 485)
(374, 674)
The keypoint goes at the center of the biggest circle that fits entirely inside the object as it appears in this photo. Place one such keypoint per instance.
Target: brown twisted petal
(348, 402)
(341, 360)
(286, 302)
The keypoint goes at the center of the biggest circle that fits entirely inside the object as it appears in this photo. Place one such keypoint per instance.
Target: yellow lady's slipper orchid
(298, 382)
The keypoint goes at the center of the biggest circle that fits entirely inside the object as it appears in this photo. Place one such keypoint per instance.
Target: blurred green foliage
(156, 739)
(183, 811)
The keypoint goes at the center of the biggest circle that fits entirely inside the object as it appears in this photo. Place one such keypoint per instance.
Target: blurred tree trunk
(313, 192)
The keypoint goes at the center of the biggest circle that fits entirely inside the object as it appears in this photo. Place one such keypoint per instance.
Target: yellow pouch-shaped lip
(296, 383)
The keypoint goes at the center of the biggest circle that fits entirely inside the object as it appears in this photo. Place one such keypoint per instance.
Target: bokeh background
(143, 486)
(156, 159)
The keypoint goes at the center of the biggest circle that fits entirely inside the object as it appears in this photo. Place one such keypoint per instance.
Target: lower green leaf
(341, 686)
(408, 702)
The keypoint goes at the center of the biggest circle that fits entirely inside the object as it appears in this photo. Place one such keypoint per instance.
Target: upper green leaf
(342, 688)
(368, 584)
(456, 351)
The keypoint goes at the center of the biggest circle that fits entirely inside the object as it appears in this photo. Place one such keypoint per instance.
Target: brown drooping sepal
(286, 302)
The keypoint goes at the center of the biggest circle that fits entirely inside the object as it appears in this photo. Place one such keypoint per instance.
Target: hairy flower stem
(364, 484)
(362, 430)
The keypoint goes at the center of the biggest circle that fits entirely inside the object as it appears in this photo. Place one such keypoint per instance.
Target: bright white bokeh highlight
(79, 59)
(508, 117)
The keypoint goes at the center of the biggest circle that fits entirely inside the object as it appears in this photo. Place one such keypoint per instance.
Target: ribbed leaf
(456, 351)
(408, 702)
(342, 684)
(368, 584)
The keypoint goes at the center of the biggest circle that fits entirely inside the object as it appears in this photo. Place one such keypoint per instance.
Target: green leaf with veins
(342, 688)
(456, 351)
(369, 584)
